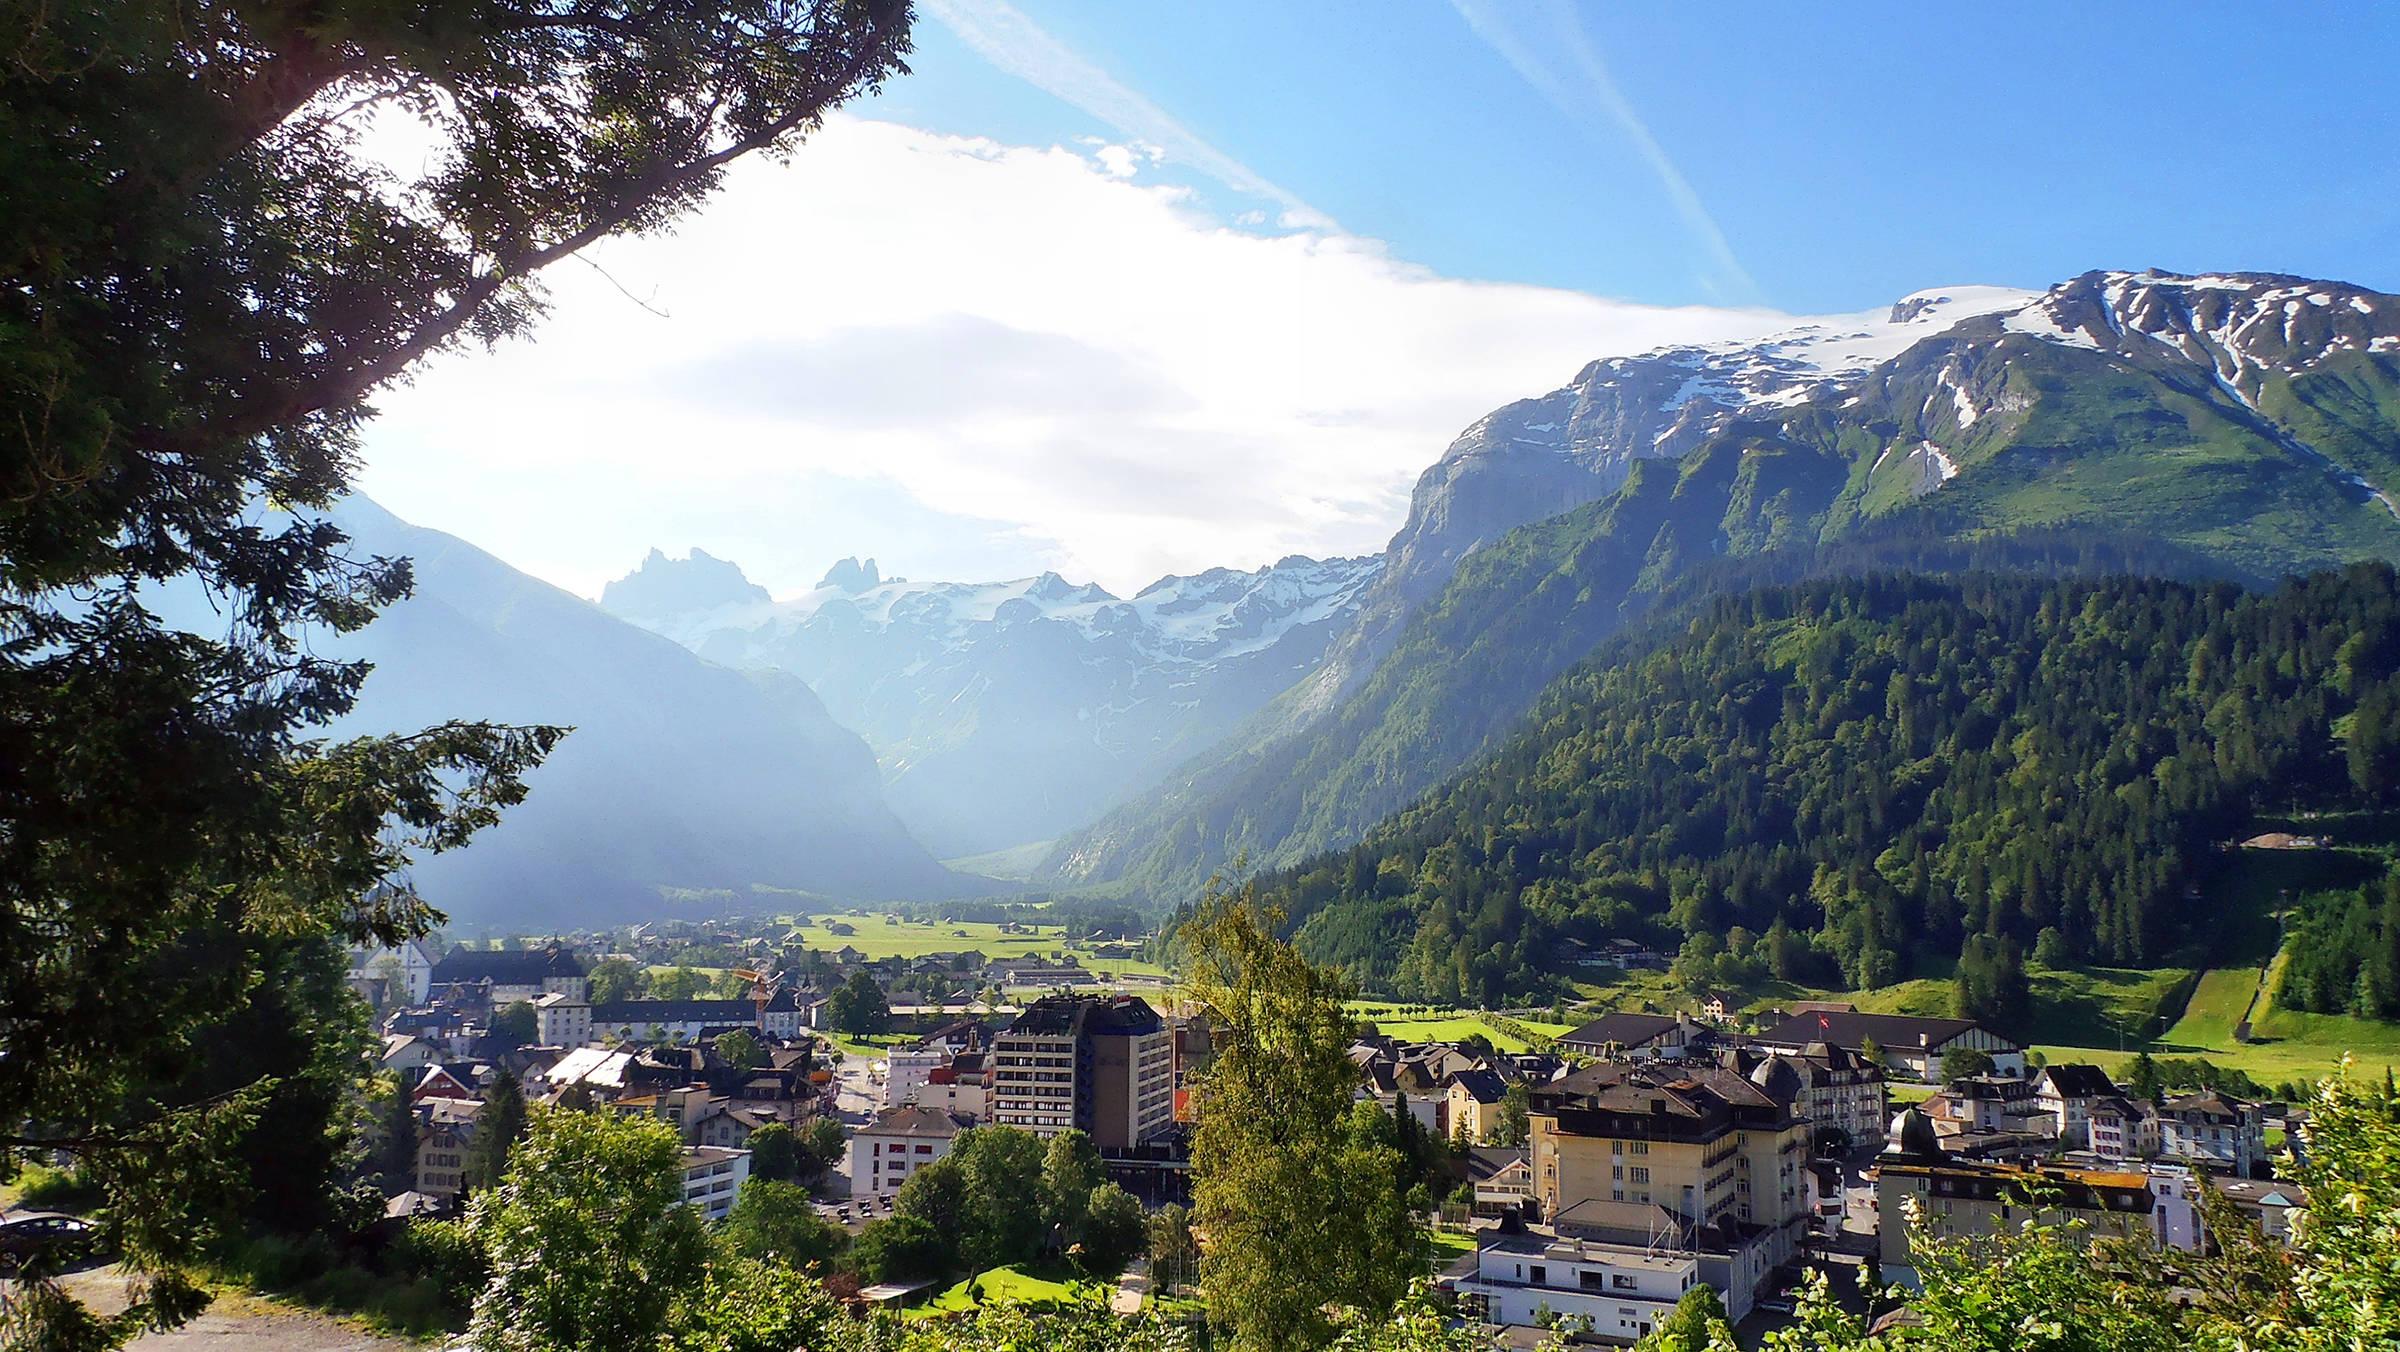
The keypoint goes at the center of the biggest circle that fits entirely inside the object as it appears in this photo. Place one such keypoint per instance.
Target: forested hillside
(2243, 419)
(1860, 774)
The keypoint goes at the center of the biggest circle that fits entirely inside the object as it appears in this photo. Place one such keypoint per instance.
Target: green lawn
(1449, 1025)
(883, 936)
(1451, 1245)
(1014, 1286)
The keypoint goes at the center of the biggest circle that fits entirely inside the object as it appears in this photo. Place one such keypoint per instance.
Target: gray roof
(1890, 1031)
(1625, 1030)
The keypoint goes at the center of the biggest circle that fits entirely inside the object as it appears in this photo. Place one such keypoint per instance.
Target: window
(1640, 1174)
(1593, 1281)
(1641, 1147)
(1623, 1282)
(1540, 1275)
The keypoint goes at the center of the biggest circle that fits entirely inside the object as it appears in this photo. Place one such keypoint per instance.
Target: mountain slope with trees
(1853, 776)
(2235, 425)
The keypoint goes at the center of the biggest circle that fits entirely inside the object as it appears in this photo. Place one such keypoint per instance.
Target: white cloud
(1001, 34)
(974, 360)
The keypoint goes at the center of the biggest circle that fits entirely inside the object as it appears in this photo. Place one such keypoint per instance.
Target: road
(237, 1323)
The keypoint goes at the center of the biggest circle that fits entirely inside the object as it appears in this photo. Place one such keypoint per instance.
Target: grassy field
(884, 936)
(1013, 1286)
(1014, 864)
(1449, 1025)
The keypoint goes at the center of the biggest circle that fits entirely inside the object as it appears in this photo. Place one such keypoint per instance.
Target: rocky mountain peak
(664, 586)
(851, 576)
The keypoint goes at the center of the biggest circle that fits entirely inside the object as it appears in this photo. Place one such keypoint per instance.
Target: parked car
(29, 1233)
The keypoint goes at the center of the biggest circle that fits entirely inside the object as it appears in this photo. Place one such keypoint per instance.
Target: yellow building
(1702, 1142)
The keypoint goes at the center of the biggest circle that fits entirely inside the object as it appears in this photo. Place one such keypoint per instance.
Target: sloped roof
(918, 1120)
(1482, 1085)
(1625, 1030)
(2078, 1081)
(512, 967)
(1850, 1029)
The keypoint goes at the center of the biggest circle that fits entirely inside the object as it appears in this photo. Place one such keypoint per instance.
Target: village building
(785, 1016)
(1701, 1142)
(2209, 1130)
(445, 1130)
(713, 1178)
(1911, 1047)
(1629, 1034)
(1475, 1097)
(399, 976)
(1620, 1291)
(1918, 1189)
(1104, 1066)
(562, 1020)
(2068, 1093)
(885, 1153)
(2122, 1129)
(1840, 1095)
(506, 976)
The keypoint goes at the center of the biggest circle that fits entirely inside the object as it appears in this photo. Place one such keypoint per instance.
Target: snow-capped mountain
(1006, 712)
(2237, 424)
(1538, 457)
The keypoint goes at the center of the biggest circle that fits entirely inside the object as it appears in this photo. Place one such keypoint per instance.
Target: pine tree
(499, 1125)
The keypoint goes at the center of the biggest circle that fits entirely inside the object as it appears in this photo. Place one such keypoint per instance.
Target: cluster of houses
(1109, 1066)
(1671, 1151)
(442, 1047)
(1638, 1156)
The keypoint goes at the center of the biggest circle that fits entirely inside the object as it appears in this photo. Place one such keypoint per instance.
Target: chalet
(408, 1054)
(1911, 1046)
(440, 1083)
(1503, 1178)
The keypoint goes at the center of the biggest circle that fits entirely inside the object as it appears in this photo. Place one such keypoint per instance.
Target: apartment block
(1105, 1066)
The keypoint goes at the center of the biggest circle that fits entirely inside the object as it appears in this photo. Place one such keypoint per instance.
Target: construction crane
(763, 988)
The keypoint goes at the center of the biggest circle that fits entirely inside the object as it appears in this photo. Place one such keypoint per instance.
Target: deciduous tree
(1299, 1218)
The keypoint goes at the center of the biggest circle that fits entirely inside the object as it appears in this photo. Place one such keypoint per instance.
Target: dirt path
(236, 1323)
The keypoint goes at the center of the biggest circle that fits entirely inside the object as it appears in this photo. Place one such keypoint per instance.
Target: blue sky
(1847, 153)
(1124, 290)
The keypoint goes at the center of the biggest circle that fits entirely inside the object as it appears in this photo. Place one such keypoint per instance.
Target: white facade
(907, 1071)
(1623, 1291)
(713, 1177)
(1033, 1082)
(409, 962)
(885, 1153)
(562, 1021)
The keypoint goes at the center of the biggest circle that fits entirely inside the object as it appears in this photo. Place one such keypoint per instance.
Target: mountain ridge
(2247, 433)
